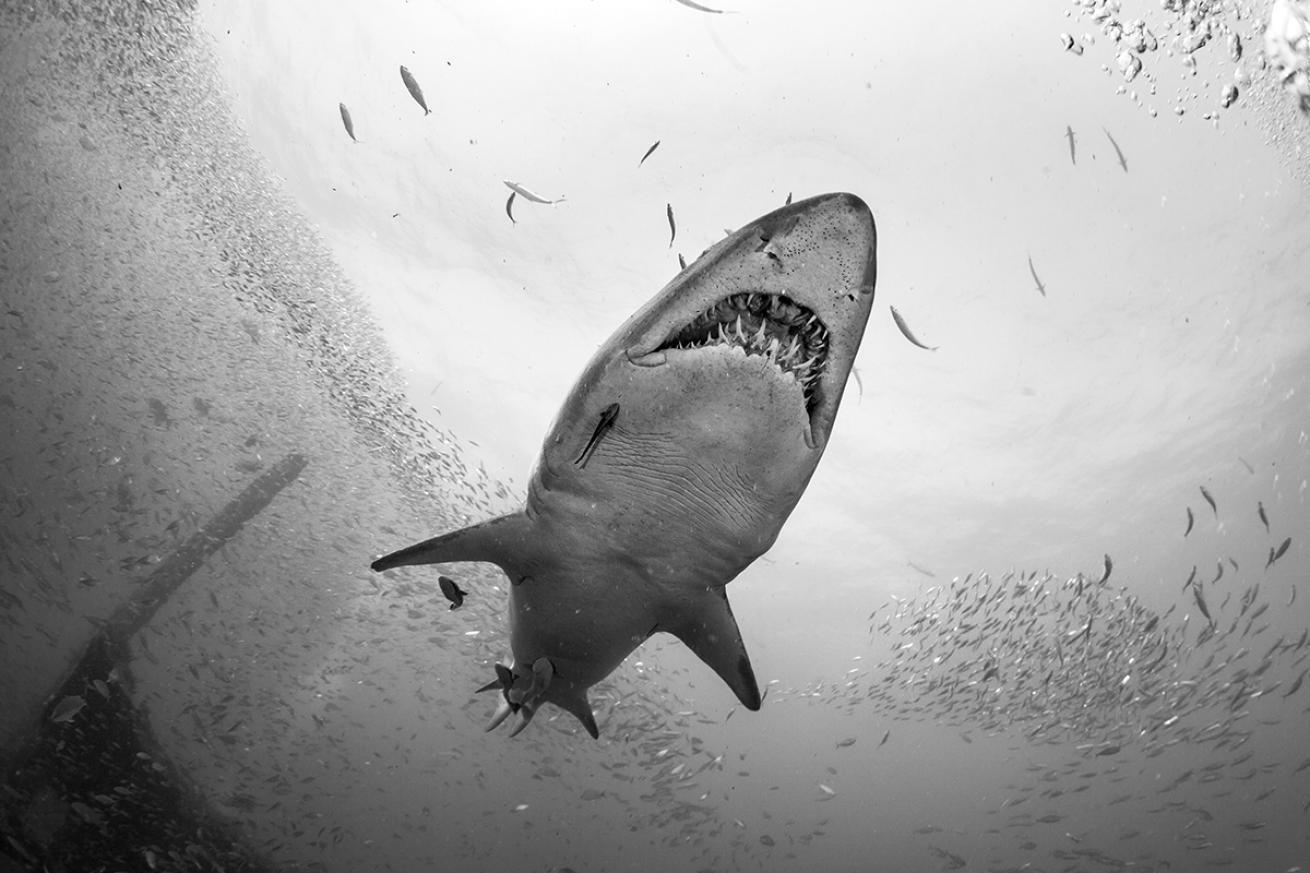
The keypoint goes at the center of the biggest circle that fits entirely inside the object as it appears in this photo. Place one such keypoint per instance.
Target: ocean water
(1034, 611)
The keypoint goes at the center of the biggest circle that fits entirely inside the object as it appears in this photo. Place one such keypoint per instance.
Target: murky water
(205, 278)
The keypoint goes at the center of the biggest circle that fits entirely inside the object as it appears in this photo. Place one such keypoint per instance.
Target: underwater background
(1040, 608)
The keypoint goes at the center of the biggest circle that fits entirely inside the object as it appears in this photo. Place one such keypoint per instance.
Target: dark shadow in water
(89, 787)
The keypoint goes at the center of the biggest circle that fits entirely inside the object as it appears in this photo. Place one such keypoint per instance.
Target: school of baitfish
(1084, 664)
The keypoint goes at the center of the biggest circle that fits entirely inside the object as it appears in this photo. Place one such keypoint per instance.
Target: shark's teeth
(791, 336)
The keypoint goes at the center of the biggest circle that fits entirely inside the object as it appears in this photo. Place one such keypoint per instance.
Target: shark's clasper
(675, 460)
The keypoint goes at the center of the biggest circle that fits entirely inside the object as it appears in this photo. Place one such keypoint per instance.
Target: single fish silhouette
(345, 119)
(411, 84)
(1118, 152)
(528, 195)
(452, 591)
(607, 417)
(1210, 500)
(690, 5)
(1031, 269)
(907, 333)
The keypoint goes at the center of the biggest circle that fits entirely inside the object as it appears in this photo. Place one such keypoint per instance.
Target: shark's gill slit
(772, 325)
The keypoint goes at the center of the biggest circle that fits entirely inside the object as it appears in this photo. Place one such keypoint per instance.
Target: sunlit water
(202, 274)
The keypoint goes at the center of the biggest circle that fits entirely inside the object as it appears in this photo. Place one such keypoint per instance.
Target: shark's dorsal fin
(707, 627)
(502, 541)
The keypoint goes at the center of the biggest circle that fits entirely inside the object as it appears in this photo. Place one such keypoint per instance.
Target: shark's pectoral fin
(499, 541)
(707, 627)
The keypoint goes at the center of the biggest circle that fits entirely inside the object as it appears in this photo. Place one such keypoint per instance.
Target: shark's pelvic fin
(503, 710)
(497, 541)
(523, 718)
(707, 627)
(576, 704)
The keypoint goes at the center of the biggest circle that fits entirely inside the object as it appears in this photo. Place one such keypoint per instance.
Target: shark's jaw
(790, 336)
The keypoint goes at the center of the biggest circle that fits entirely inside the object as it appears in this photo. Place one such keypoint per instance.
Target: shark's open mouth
(791, 336)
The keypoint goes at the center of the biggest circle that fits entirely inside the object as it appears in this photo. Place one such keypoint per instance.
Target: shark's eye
(773, 325)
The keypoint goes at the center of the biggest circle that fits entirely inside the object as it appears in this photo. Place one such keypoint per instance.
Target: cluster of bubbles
(1216, 45)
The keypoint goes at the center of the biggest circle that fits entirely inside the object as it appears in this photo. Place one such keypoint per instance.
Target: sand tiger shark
(676, 458)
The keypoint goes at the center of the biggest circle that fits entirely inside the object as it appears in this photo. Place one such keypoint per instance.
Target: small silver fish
(1031, 269)
(1073, 153)
(1117, 151)
(1200, 603)
(1108, 567)
(1260, 511)
(529, 195)
(1210, 500)
(700, 8)
(673, 228)
(607, 417)
(345, 119)
(648, 153)
(1296, 686)
(1191, 519)
(1275, 554)
(509, 206)
(907, 333)
(67, 709)
(411, 84)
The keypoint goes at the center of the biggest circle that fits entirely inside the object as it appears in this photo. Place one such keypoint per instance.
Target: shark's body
(677, 457)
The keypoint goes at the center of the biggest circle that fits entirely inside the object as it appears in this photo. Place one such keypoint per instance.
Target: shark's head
(795, 286)
(748, 349)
